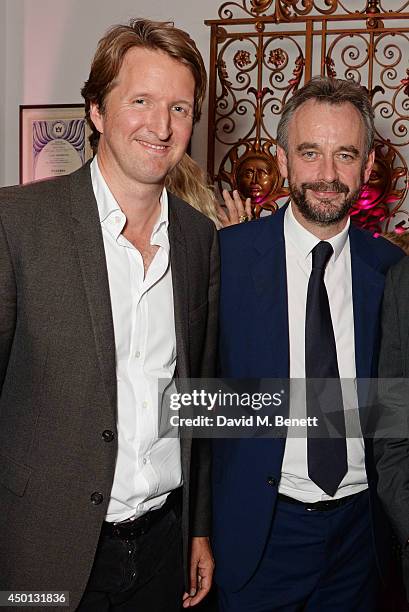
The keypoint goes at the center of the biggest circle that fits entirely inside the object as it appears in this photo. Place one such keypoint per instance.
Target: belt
(131, 529)
(321, 506)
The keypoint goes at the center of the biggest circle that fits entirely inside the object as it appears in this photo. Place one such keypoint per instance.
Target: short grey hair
(329, 91)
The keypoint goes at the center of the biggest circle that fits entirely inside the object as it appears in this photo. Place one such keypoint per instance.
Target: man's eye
(309, 154)
(346, 157)
(181, 110)
(139, 101)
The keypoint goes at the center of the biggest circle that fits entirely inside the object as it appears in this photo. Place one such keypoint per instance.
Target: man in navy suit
(287, 535)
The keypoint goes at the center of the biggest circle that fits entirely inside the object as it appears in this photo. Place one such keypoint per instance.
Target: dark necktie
(326, 445)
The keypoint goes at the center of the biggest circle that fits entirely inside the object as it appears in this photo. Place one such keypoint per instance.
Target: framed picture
(54, 140)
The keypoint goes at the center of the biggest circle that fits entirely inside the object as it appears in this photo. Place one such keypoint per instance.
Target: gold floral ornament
(260, 6)
(241, 59)
(277, 58)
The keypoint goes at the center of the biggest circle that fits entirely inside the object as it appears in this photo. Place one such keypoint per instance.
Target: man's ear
(369, 165)
(96, 117)
(282, 161)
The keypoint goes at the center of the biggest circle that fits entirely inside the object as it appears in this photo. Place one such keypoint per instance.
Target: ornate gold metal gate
(263, 50)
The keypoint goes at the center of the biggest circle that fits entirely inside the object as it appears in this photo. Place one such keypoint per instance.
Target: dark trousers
(139, 574)
(314, 562)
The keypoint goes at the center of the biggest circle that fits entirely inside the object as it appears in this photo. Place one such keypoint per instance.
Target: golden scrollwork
(287, 10)
(263, 50)
(260, 6)
(354, 52)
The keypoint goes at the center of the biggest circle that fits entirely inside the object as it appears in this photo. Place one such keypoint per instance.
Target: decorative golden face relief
(256, 178)
(252, 169)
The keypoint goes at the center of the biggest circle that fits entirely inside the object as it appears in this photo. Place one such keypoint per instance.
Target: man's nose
(160, 122)
(328, 171)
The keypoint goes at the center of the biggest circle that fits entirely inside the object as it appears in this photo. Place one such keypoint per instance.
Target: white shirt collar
(108, 206)
(304, 241)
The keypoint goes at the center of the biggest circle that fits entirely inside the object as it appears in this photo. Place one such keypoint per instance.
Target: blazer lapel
(367, 291)
(89, 242)
(270, 283)
(180, 281)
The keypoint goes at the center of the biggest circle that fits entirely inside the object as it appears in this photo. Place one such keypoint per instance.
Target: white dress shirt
(147, 468)
(338, 281)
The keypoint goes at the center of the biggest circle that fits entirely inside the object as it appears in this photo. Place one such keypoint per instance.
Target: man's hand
(234, 211)
(201, 572)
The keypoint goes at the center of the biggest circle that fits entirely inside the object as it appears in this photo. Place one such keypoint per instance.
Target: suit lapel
(180, 282)
(269, 274)
(367, 291)
(90, 247)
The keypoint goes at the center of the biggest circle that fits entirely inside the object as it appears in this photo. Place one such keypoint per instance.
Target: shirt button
(145, 404)
(272, 481)
(145, 461)
(138, 354)
(97, 498)
(108, 435)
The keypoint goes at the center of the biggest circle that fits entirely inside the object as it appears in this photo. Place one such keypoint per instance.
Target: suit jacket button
(108, 435)
(97, 498)
(272, 481)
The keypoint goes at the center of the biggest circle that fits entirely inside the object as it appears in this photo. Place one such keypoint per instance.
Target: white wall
(2, 83)
(49, 47)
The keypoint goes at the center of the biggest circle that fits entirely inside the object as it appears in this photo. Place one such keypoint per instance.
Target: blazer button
(97, 498)
(108, 435)
(272, 481)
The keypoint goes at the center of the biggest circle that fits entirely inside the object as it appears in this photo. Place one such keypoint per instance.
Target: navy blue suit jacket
(254, 344)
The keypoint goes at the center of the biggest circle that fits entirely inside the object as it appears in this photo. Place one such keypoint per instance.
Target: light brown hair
(154, 35)
(188, 181)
